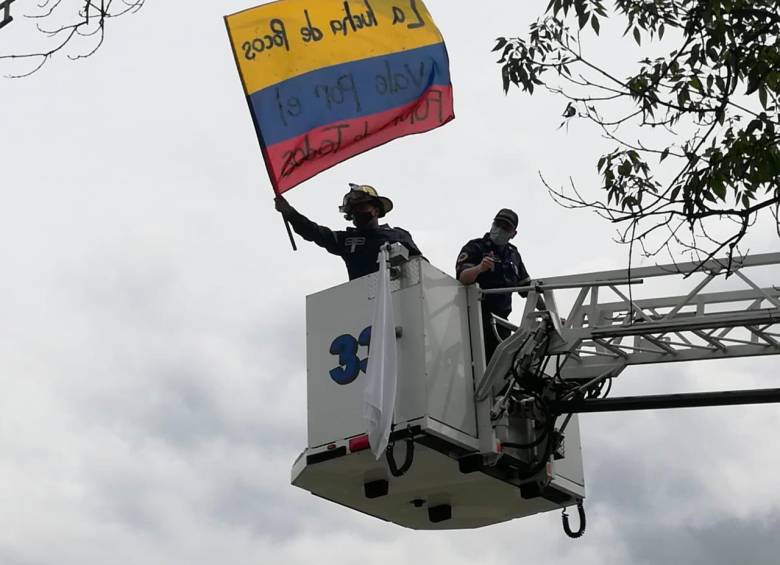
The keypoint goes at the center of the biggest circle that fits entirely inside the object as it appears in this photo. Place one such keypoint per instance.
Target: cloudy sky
(152, 331)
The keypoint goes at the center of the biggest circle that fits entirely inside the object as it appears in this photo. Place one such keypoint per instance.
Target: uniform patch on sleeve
(462, 257)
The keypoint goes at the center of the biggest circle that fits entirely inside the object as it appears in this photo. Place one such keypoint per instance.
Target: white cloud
(152, 321)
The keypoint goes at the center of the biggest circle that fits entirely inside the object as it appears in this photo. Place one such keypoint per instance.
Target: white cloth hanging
(382, 368)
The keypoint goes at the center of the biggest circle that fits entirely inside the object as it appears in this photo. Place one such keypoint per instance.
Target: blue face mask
(500, 236)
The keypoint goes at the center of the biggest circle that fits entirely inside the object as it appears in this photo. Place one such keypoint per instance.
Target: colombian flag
(329, 79)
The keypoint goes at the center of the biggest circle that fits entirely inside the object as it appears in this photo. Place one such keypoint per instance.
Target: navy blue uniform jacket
(357, 247)
(508, 271)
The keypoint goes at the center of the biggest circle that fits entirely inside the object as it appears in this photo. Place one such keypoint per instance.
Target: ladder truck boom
(485, 442)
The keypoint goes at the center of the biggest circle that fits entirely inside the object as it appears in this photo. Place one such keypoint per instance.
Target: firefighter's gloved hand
(281, 204)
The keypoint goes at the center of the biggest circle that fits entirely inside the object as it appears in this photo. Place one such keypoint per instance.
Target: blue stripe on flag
(348, 91)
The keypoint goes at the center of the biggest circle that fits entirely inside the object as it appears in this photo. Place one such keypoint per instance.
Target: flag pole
(289, 234)
(257, 129)
(277, 194)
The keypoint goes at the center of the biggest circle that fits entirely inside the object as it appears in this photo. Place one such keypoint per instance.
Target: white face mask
(500, 236)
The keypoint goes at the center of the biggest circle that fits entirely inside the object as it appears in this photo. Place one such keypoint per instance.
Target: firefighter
(493, 262)
(358, 246)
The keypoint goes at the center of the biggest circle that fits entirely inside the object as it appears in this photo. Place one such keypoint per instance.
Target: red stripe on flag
(294, 160)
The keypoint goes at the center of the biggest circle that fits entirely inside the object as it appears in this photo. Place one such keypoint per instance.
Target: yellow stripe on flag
(287, 38)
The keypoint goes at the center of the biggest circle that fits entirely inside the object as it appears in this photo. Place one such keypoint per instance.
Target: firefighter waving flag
(328, 79)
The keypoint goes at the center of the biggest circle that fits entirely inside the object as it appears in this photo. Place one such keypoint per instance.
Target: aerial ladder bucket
(440, 357)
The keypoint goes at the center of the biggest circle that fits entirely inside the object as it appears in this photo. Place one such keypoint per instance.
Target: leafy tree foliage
(703, 117)
(77, 27)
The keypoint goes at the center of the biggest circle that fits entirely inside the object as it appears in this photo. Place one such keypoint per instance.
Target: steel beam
(716, 265)
(664, 401)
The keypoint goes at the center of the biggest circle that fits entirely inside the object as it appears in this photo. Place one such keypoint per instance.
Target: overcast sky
(152, 339)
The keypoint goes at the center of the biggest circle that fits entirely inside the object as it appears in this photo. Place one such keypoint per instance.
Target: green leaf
(753, 83)
(637, 37)
(719, 188)
(774, 162)
(583, 19)
(501, 42)
(762, 97)
(664, 155)
(594, 23)
(661, 31)
(754, 125)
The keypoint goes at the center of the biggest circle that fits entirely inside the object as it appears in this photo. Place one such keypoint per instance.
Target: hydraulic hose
(565, 517)
(408, 460)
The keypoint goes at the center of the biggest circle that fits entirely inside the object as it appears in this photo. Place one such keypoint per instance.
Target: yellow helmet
(359, 193)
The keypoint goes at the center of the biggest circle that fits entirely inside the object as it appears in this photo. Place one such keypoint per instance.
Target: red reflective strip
(358, 443)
